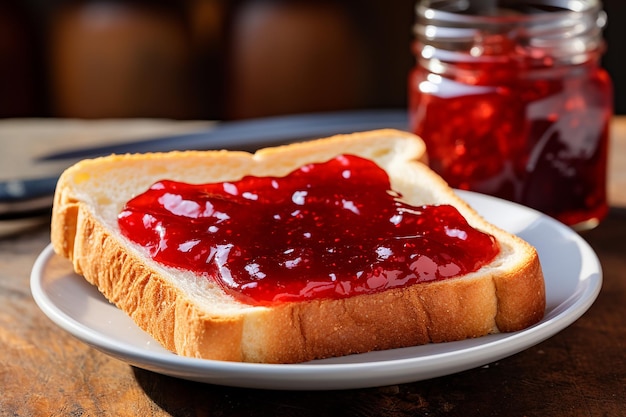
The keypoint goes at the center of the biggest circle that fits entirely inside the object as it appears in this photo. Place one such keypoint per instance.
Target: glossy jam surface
(327, 230)
(537, 136)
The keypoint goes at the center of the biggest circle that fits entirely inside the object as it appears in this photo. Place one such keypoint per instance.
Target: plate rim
(324, 376)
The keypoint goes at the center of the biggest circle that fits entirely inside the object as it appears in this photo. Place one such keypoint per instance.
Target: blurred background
(217, 59)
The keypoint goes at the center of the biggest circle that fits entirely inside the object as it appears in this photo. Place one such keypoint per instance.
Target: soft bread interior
(107, 189)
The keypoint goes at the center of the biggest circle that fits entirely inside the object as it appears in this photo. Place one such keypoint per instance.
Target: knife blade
(250, 135)
(23, 197)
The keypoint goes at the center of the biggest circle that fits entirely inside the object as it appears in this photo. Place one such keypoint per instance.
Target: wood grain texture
(617, 163)
(579, 372)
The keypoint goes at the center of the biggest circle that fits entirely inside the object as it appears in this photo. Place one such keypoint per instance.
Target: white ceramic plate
(573, 280)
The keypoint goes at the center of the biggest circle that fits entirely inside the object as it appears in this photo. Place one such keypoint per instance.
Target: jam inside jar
(512, 102)
(327, 230)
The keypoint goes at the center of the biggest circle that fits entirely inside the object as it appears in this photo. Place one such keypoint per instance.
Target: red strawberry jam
(326, 230)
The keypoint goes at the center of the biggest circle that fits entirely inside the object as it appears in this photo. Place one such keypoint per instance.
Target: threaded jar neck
(539, 33)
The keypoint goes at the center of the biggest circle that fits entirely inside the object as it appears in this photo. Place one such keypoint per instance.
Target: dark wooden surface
(579, 372)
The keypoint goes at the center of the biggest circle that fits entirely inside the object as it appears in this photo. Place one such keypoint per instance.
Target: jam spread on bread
(326, 230)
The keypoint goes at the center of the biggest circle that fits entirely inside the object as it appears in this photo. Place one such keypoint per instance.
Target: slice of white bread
(193, 316)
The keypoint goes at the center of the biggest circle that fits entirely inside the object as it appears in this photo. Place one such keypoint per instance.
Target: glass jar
(511, 101)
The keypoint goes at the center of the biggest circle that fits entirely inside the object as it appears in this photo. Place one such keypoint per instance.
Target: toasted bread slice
(193, 316)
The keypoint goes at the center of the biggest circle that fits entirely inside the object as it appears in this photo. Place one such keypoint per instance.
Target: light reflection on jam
(327, 230)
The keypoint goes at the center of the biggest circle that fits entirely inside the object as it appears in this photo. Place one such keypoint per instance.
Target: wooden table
(579, 372)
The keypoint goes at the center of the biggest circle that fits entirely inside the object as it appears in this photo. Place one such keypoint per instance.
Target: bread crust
(499, 299)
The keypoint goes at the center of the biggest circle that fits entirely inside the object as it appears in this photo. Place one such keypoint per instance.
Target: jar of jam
(511, 100)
